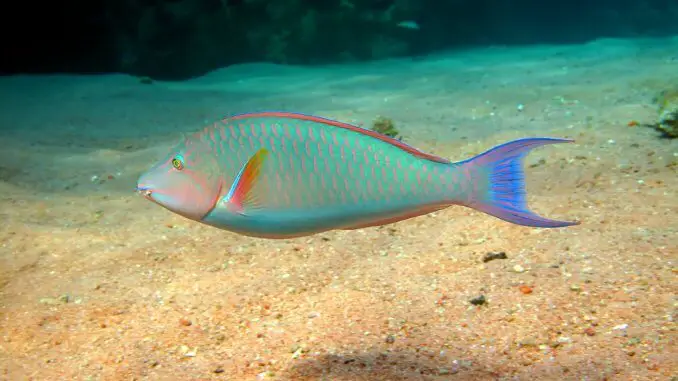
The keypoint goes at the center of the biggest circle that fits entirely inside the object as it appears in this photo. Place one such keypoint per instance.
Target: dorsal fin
(334, 123)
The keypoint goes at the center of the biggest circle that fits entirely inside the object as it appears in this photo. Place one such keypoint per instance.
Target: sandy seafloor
(99, 284)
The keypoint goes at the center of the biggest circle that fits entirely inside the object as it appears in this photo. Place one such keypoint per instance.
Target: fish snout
(145, 191)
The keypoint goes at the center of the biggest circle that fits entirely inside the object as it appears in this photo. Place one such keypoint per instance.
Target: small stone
(218, 370)
(390, 339)
(185, 322)
(492, 256)
(192, 353)
(590, 331)
(313, 315)
(575, 287)
(478, 300)
(564, 339)
(525, 289)
(518, 269)
(620, 327)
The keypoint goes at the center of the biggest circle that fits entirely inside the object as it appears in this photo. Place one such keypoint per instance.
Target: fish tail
(499, 183)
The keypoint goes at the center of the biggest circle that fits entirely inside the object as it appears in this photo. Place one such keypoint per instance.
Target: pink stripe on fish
(278, 182)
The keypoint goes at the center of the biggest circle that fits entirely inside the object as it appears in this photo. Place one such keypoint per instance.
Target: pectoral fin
(240, 197)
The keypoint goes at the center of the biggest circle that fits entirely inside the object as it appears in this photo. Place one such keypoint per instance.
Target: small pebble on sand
(491, 256)
(518, 269)
(185, 322)
(525, 289)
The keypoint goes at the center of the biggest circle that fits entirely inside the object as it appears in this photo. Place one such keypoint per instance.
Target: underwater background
(97, 283)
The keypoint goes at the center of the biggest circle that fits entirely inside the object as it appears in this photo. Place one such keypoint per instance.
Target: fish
(408, 24)
(277, 174)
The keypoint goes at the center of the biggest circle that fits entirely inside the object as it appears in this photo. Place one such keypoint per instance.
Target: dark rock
(478, 300)
(492, 256)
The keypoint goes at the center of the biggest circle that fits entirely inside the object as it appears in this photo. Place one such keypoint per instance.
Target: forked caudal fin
(501, 183)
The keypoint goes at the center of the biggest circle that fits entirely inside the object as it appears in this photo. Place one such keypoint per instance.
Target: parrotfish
(284, 175)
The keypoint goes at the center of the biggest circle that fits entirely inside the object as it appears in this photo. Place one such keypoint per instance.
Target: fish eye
(178, 163)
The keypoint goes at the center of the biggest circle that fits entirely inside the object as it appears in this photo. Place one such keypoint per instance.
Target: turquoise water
(144, 286)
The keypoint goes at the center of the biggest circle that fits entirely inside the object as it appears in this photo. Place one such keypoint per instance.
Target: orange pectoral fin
(240, 196)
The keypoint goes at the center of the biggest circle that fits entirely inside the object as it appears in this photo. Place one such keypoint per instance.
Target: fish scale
(282, 175)
(343, 161)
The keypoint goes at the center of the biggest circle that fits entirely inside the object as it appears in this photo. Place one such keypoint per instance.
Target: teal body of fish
(282, 175)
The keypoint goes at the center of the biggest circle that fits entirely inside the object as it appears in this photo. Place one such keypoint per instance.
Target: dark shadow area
(454, 364)
(386, 366)
(178, 39)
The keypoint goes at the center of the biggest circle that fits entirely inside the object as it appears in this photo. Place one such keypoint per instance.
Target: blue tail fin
(500, 183)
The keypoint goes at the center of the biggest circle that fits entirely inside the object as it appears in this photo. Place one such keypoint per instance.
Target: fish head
(187, 181)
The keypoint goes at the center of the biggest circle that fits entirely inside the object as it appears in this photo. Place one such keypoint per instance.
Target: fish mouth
(147, 193)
